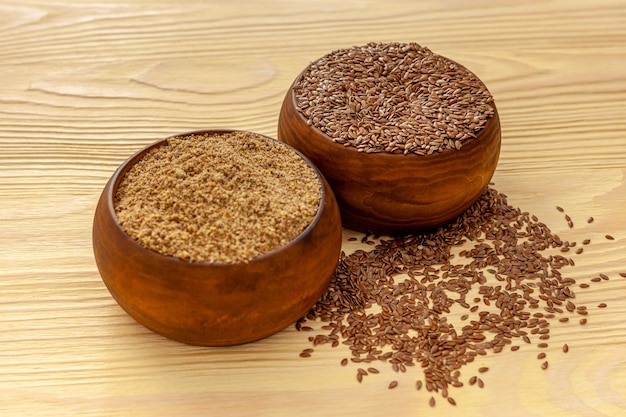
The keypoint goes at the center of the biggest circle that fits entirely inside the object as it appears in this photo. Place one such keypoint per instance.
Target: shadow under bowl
(216, 304)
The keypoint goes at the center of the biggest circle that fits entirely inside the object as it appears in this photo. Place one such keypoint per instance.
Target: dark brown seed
(590, 220)
(622, 274)
(344, 361)
(565, 348)
(432, 401)
(602, 305)
(480, 383)
(393, 384)
(559, 208)
(373, 370)
(514, 348)
(583, 321)
(473, 380)
(609, 237)
(418, 385)
(542, 355)
(586, 241)
(542, 345)
(544, 365)
(451, 401)
(483, 369)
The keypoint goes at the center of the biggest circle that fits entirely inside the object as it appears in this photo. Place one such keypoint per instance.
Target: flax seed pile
(393, 97)
(491, 280)
(217, 198)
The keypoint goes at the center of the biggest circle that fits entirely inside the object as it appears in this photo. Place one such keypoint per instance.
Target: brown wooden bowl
(395, 193)
(216, 304)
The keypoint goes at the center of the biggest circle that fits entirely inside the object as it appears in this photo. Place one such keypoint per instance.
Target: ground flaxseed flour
(225, 197)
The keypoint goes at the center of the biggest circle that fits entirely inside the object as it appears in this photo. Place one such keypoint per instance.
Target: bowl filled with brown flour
(217, 237)
(408, 139)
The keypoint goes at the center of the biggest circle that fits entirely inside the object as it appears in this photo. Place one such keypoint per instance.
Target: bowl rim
(292, 93)
(125, 166)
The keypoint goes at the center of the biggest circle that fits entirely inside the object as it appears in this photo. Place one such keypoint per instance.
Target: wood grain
(86, 85)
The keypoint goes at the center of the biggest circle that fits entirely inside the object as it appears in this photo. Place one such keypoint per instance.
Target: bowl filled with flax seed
(217, 237)
(407, 139)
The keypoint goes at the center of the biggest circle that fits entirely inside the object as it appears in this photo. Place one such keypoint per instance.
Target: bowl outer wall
(216, 304)
(395, 193)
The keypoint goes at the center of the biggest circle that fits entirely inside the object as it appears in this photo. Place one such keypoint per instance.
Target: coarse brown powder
(226, 197)
(394, 98)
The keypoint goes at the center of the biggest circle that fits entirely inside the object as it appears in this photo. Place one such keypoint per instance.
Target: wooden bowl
(395, 193)
(216, 304)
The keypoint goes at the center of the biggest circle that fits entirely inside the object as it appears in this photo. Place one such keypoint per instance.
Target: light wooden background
(85, 84)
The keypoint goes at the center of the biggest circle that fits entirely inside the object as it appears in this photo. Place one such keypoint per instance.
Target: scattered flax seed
(579, 251)
(590, 220)
(432, 401)
(373, 370)
(609, 237)
(396, 303)
(393, 384)
(483, 369)
(559, 208)
(544, 365)
(344, 361)
(565, 348)
(306, 353)
(542, 355)
(586, 241)
(622, 274)
(602, 305)
(451, 401)
(418, 385)
(393, 98)
(217, 197)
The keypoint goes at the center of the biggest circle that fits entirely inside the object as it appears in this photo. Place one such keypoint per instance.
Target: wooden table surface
(86, 84)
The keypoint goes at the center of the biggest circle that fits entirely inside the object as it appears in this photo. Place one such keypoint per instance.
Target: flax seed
(401, 92)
